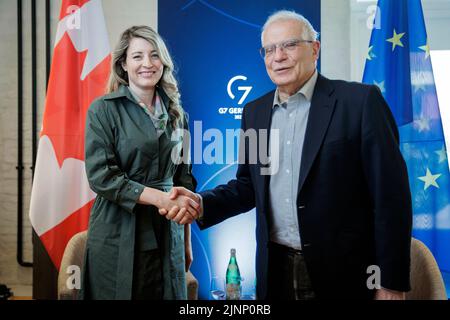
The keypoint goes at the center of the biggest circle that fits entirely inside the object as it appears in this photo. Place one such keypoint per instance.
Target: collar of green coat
(124, 92)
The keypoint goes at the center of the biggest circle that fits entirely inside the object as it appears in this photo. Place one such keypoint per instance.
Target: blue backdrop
(214, 43)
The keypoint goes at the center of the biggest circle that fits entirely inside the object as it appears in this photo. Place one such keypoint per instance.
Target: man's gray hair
(309, 33)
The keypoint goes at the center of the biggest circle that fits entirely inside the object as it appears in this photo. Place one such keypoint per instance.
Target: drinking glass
(217, 288)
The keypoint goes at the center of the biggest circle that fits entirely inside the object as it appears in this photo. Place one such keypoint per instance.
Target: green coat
(123, 155)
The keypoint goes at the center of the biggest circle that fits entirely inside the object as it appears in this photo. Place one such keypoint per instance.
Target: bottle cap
(233, 251)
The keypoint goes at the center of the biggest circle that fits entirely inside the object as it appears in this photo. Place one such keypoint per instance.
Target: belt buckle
(295, 251)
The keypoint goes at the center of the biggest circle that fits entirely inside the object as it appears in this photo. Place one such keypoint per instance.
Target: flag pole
(20, 166)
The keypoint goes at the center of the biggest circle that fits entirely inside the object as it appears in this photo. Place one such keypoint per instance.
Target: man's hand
(179, 213)
(385, 294)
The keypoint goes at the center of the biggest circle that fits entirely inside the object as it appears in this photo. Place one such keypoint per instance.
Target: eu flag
(398, 61)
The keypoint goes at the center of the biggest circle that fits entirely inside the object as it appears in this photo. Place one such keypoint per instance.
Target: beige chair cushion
(74, 255)
(426, 278)
(192, 286)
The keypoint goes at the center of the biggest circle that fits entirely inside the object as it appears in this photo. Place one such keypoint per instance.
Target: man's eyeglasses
(289, 45)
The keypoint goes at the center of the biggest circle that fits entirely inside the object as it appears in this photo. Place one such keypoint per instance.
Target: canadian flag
(61, 198)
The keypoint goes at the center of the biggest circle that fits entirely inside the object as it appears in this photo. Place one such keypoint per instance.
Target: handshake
(181, 205)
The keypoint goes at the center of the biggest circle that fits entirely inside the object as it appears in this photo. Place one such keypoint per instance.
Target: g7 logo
(240, 88)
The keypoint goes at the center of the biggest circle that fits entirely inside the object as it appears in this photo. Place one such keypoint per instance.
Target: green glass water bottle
(233, 278)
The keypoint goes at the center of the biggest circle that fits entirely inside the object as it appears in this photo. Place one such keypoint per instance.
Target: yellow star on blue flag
(430, 179)
(380, 85)
(395, 40)
(370, 54)
(442, 153)
(426, 48)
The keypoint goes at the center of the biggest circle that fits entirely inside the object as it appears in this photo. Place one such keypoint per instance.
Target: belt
(284, 249)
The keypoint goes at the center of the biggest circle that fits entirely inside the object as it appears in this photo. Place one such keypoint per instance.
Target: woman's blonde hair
(167, 83)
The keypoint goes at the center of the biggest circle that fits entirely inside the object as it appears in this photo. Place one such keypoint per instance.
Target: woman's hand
(178, 192)
(188, 208)
(184, 208)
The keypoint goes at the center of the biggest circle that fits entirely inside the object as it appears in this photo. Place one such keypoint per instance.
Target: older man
(338, 209)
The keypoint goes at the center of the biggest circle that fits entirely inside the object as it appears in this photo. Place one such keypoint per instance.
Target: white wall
(441, 58)
(335, 39)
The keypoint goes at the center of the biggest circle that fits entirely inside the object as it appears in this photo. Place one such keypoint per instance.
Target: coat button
(302, 207)
(136, 190)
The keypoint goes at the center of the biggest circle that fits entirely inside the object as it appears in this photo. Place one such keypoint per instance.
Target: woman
(132, 252)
